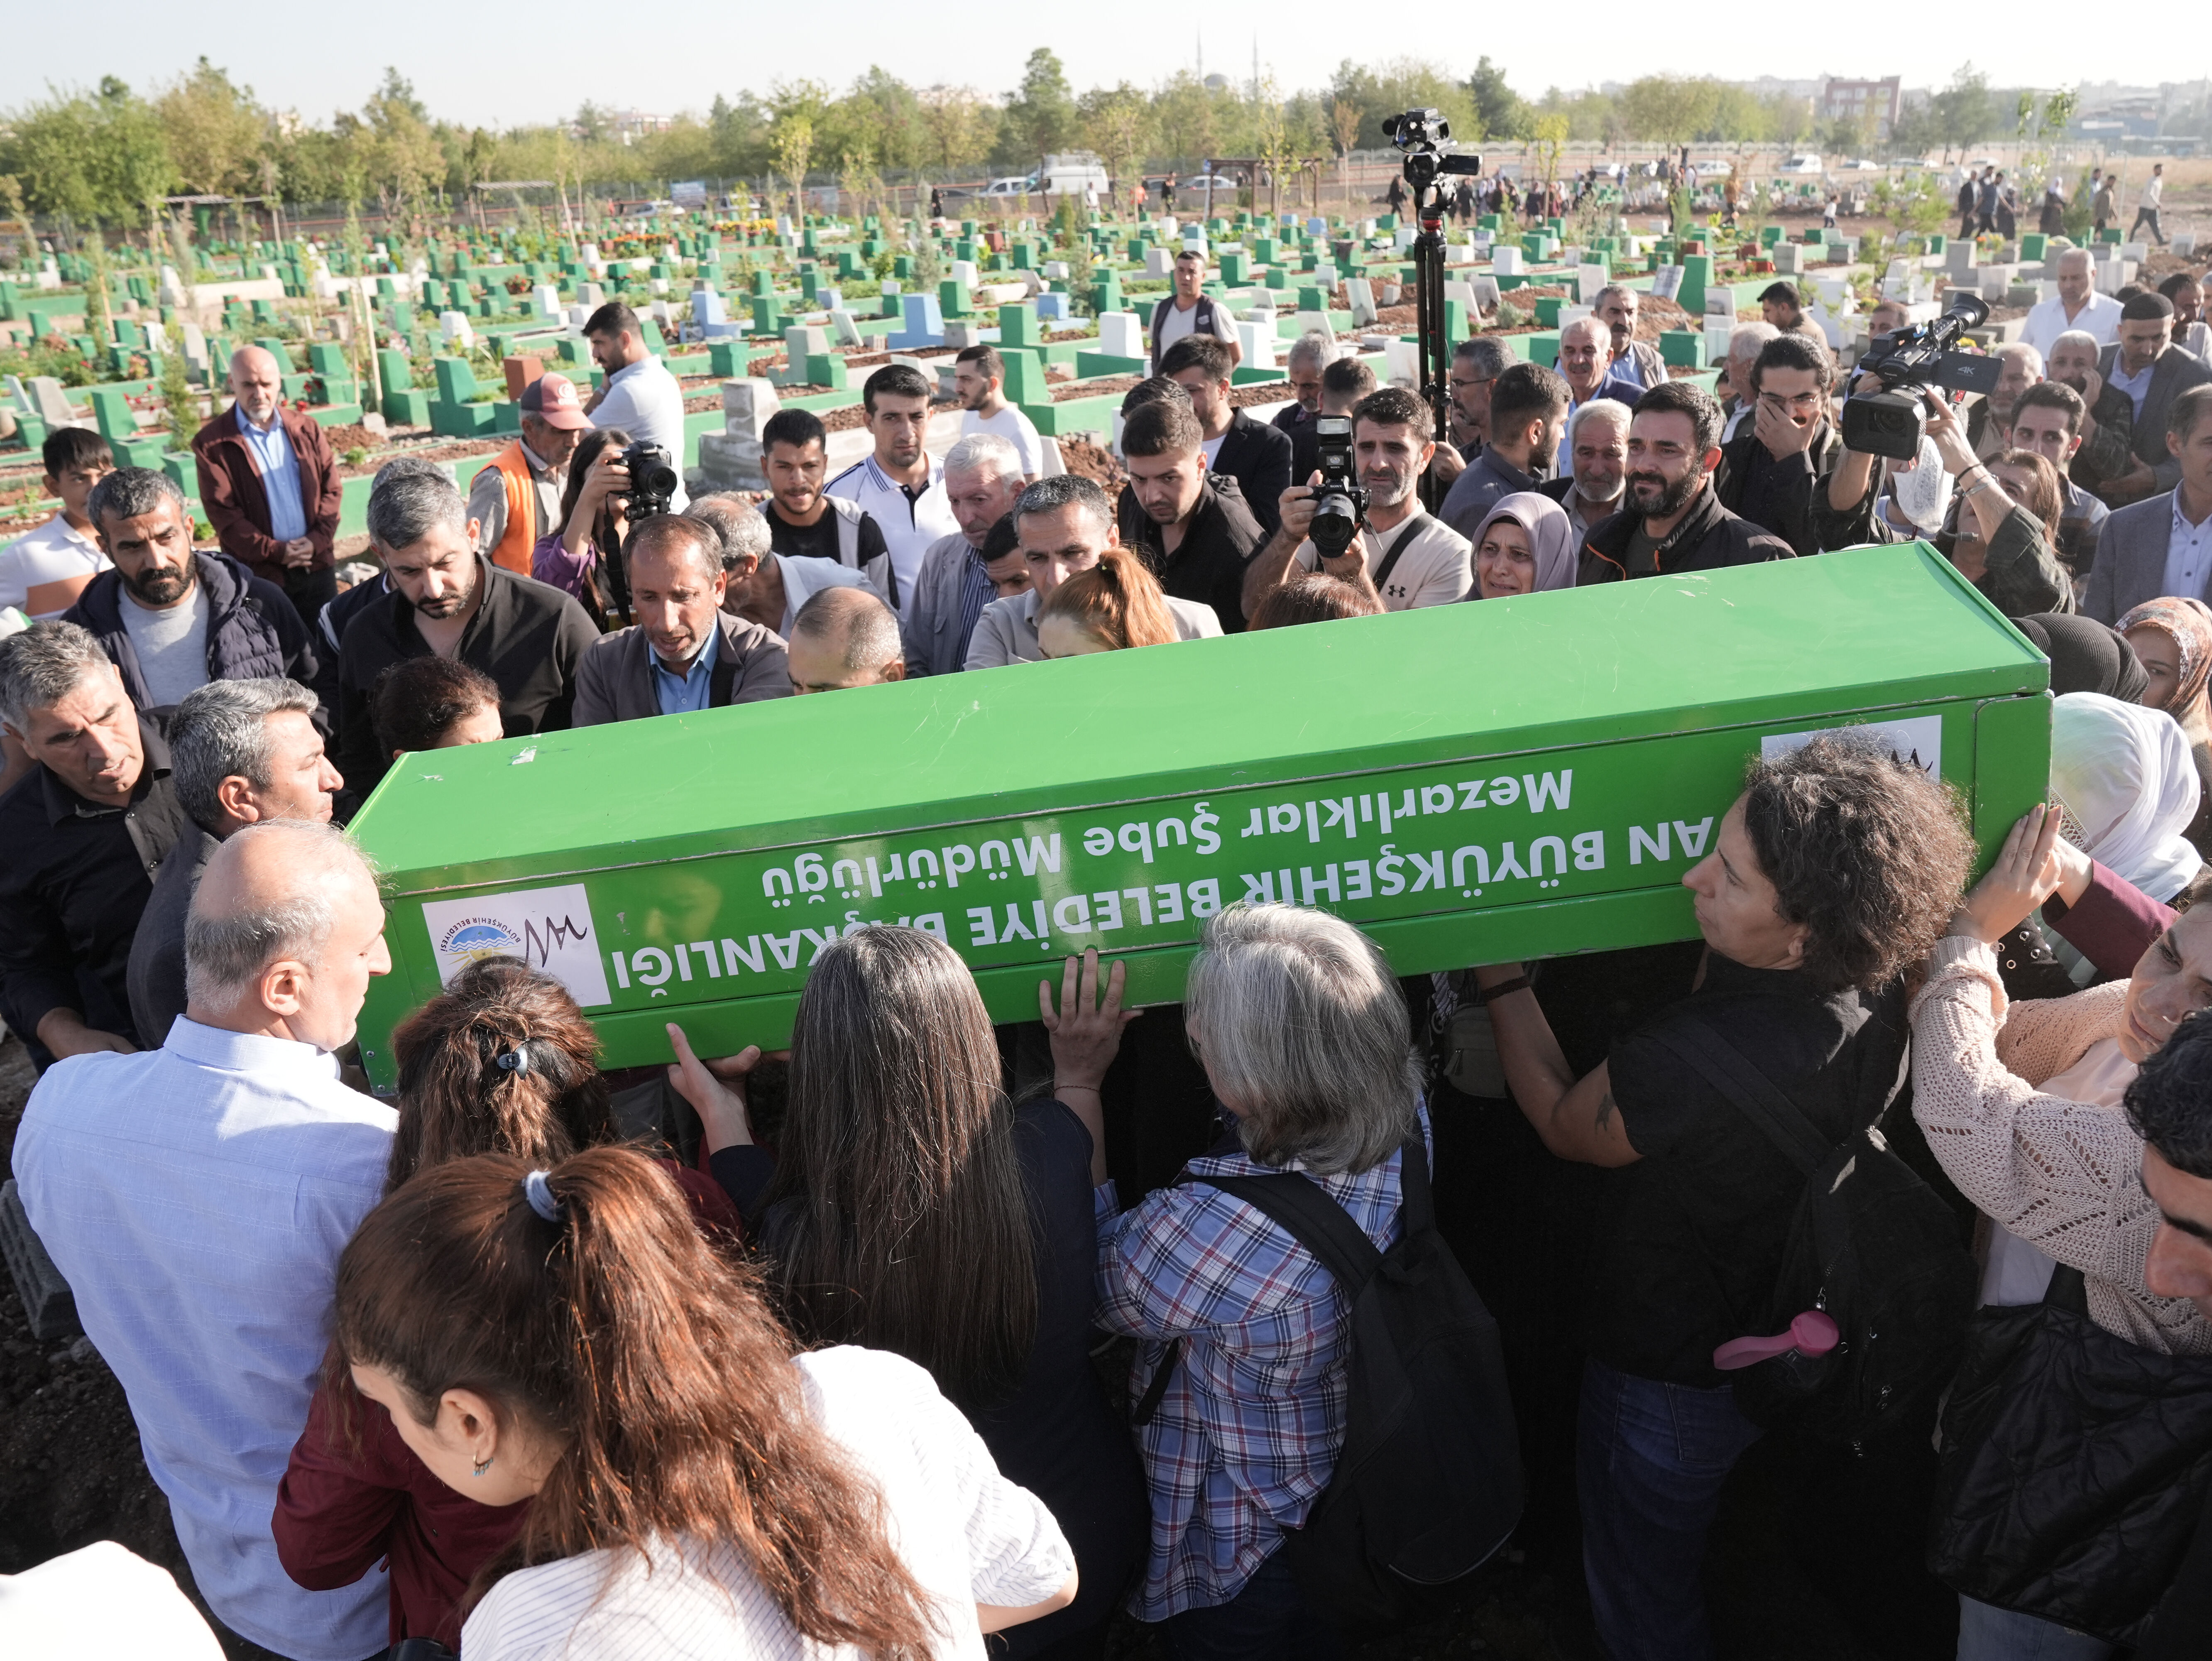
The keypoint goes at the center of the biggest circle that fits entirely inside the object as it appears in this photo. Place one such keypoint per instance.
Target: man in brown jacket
(269, 485)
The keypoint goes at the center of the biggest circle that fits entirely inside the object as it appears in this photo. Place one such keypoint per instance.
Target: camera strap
(1397, 547)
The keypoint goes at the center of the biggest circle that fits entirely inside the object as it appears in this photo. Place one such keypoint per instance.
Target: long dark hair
(501, 1062)
(898, 1218)
(603, 539)
(621, 1337)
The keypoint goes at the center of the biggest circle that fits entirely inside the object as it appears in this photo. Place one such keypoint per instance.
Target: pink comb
(1810, 1334)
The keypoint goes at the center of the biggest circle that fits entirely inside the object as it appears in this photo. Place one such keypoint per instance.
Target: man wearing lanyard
(270, 486)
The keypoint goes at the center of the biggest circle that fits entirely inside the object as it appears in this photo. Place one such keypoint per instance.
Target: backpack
(1428, 1485)
(1871, 1244)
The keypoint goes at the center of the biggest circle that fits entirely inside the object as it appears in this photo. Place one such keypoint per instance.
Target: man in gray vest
(1189, 311)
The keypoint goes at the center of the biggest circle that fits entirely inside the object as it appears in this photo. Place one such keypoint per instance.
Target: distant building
(1877, 103)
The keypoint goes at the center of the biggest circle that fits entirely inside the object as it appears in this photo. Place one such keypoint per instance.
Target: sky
(483, 66)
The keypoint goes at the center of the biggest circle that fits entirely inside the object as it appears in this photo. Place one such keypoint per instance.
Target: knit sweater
(2060, 1174)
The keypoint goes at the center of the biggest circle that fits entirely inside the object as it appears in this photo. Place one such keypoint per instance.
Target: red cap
(552, 398)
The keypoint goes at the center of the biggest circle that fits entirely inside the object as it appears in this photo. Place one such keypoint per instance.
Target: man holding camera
(1528, 411)
(639, 396)
(1673, 521)
(1401, 555)
(1197, 540)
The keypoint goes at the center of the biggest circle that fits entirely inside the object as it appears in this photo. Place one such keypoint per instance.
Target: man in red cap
(517, 499)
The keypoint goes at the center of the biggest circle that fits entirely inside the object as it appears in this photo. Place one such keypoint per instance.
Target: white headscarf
(2125, 775)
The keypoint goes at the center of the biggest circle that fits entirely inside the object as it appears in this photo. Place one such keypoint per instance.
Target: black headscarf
(2086, 655)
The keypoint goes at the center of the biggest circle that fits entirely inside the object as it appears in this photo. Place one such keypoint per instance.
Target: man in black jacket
(1674, 522)
(1770, 470)
(172, 619)
(1257, 456)
(448, 599)
(1195, 540)
(84, 832)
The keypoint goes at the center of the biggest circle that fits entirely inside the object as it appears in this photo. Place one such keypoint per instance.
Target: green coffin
(1468, 783)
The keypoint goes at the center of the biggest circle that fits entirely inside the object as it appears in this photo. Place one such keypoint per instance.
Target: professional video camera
(1423, 134)
(1908, 360)
(652, 480)
(1341, 499)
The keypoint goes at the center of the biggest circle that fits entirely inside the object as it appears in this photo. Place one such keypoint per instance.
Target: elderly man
(448, 599)
(1195, 540)
(269, 484)
(1597, 446)
(1063, 523)
(2048, 420)
(2146, 365)
(172, 619)
(240, 752)
(1746, 342)
(843, 638)
(639, 396)
(1475, 364)
(2077, 304)
(1343, 384)
(1235, 446)
(898, 486)
(517, 499)
(85, 833)
(982, 476)
(1633, 359)
(1989, 422)
(684, 653)
(2108, 421)
(1586, 364)
(769, 588)
(202, 1239)
(1310, 354)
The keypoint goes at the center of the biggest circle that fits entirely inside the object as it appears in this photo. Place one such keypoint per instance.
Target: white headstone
(1056, 271)
(1505, 260)
(1318, 322)
(1158, 262)
(746, 406)
(1121, 334)
(1324, 275)
(847, 331)
(1403, 237)
(50, 402)
(2184, 244)
(196, 351)
(804, 340)
(1484, 288)
(1361, 293)
(1258, 340)
(1402, 362)
(1588, 279)
(454, 327)
(589, 254)
(591, 296)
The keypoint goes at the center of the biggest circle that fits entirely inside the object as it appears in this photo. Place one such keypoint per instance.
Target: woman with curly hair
(1825, 880)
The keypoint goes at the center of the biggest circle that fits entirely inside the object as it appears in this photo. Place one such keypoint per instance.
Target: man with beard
(1403, 556)
(448, 599)
(1475, 364)
(2108, 420)
(1597, 450)
(1989, 419)
(1193, 539)
(1673, 522)
(172, 619)
(979, 382)
(268, 484)
(2145, 364)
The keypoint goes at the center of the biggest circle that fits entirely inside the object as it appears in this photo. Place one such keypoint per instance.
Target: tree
(798, 106)
(216, 133)
(1962, 112)
(959, 126)
(1501, 110)
(1040, 119)
(1116, 120)
(1669, 109)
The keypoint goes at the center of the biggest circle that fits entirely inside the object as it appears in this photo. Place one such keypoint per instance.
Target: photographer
(639, 395)
(1403, 556)
(2016, 568)
(1771, 473)
(593, 521)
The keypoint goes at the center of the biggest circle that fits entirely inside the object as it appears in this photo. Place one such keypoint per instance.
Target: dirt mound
(1092, 461)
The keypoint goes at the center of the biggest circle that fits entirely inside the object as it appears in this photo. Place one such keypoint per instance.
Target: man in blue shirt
(269, 484)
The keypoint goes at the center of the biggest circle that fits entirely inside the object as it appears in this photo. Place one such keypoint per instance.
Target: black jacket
(1258, 457)
(1209, 565)
(254, 631)
(73, 882)
(1790, 484)
(527, 635)
(1709, 538)
(155, 975)
(2021, 576)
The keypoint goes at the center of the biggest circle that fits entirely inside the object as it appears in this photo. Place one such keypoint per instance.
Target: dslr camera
(652, 480)
(1891, 423)
(1339, 500)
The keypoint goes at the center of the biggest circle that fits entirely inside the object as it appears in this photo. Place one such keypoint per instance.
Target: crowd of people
(749, 1354)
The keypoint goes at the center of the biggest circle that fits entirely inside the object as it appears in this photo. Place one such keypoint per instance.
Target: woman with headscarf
(2173, 640)
(2087, 656)
(2124, 776)
(1524, 545)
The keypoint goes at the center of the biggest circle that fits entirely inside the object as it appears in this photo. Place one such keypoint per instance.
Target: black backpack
(1428, 1484)
(1871, 1244)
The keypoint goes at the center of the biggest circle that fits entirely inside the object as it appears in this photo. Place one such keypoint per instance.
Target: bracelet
(1057, 1087)
(1486, 995)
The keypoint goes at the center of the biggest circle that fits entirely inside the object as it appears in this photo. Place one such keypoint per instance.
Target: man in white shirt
(1190, 310)
(769, 588)
(202, 1240)
(1403, 555)
(2077, 304)
(640, 397)
(978, 380)
(899, 486)
(1064, 524)
(2146, 205)
(43, 571)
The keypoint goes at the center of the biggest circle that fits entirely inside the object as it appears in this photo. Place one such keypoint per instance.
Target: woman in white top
(567, 1336)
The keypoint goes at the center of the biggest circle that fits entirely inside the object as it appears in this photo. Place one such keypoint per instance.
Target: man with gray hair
(449, 600)
(269, 484)
(172, 619)
(843, 638)
(195, 1197)
(1746, 342)
(1475, 363)
(83, 833)
(1597, 454)
(982, 476)
(2077, 304)
(1310, 354)
(684, 653)
(1633, 359)
(240, 752)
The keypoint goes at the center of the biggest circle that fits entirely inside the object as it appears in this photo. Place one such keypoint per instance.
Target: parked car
(1801, 164)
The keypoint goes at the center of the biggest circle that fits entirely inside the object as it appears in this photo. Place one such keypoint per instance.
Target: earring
(480, 1468)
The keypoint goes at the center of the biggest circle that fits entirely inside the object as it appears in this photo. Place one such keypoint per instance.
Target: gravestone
(1482, 289)
(924, 324)
(1505, 260)
(847, 331)
(454, 327)
(1258, 340)
(1121, 334)
(1159, 263)
(50, 403)
(1362, 293)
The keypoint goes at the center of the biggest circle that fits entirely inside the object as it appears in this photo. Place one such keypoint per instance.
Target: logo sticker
(1917, 741)
(549, 928)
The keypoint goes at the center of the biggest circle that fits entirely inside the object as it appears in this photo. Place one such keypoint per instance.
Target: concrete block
(1121, 334)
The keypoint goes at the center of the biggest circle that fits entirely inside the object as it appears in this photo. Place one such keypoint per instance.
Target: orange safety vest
(514, 546)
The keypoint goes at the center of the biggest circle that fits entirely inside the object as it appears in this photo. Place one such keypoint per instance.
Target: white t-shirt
(909, 524)
(1016, 429)
(1212, 448)
(804, 578)
(43, 571)
(1180, 321)
(965, 1533)
(1435, 569)
(170, 644)
(645, 400)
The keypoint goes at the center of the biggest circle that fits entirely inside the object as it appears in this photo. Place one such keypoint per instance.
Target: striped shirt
(1246, 1437)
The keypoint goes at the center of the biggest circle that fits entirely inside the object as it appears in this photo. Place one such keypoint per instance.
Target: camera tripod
(1418, 133)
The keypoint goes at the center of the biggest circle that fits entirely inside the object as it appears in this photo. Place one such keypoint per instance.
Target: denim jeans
(1650, 1460)
(1268, 1619)
(1988, 1634)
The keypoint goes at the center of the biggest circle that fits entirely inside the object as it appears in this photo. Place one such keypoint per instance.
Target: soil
(1092, 461)
(458, 449)
(1105, 385)
(352, 436)
(1259, 391)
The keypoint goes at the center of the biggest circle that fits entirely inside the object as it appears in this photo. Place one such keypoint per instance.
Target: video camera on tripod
(1424, 137)
(1908, 360)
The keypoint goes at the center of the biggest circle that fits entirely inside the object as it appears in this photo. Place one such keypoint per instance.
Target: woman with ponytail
(502, 1062)
(1113, 606)
(563, 1340)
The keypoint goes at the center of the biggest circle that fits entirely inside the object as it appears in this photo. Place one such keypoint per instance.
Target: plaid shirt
(1247, 1435)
